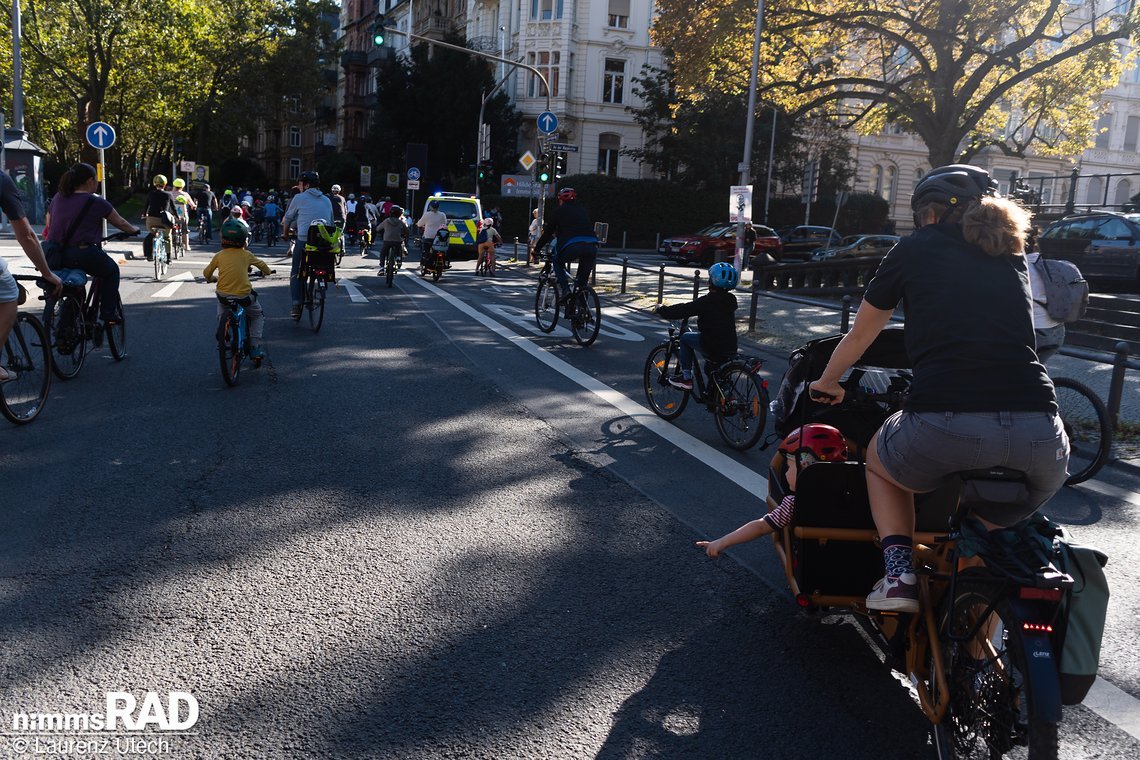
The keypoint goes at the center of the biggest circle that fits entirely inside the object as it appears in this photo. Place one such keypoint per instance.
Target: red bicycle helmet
(567, 194)
(823, 442)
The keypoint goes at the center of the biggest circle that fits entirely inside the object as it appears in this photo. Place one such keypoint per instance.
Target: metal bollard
(846, 322)
(624, 273)
(624, 234)
(752, 308)
(696, 284)
(516, 253)
(661, 285)
(1116, 387)
(657, 242)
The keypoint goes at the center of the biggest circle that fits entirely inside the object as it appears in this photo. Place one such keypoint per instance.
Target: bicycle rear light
(1037, 627)
(803, 600)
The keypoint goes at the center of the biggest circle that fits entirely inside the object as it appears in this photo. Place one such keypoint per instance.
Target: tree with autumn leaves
(964, 75)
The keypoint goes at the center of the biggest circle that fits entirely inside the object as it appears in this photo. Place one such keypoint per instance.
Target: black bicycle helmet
(311, 178)
(953, 184)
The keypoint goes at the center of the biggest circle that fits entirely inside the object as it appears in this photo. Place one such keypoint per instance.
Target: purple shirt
(65, 209)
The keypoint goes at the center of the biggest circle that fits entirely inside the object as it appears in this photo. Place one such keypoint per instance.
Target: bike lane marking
(354, 293)
(1106, 700)
(176, 282)
(751, 481)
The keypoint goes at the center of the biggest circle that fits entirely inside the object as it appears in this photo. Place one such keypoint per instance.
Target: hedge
(644, 211)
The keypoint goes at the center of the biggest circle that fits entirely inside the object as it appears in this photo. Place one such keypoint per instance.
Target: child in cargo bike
(803, 447)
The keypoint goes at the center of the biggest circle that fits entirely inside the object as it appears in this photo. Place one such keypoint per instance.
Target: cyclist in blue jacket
(576, 240)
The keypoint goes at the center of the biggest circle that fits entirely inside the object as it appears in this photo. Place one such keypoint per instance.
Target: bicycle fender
(1041, 661)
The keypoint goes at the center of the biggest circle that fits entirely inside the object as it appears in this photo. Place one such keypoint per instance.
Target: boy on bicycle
(803, 447)
(232, 264)
(716, 314)
(485, 243)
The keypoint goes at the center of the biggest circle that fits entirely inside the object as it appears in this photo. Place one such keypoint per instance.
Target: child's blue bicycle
(234, 345)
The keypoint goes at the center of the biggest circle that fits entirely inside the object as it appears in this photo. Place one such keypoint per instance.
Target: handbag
(53, 251)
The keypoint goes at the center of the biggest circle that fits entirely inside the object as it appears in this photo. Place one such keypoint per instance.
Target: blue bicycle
(234, 345)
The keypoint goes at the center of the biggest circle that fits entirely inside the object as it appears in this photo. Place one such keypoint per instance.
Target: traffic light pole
(480, 54)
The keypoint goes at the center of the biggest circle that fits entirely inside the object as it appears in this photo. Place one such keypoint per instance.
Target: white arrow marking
(175, 283)
(354, 293)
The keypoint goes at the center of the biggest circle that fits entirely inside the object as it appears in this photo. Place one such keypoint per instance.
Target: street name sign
(562, 147)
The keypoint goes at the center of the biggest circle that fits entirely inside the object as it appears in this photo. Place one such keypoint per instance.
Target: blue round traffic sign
(100, 135)
(547, 122)
(413, 173)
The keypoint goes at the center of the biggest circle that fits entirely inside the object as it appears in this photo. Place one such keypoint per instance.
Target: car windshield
(713, 230)
(851, 239)
(458, 209)
(762, 231)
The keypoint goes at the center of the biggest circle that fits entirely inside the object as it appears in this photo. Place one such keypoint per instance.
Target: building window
(1095, 195)
(609, 148)
(619, 14)
(1123, 193)
(613, 83)
(294, 137)
(888, 191)
(294, 168)
(1103, 129)
(1131, 131)
(548, 64)
(1041, 183)
(545, 10)
(875, 183)
(918, 175)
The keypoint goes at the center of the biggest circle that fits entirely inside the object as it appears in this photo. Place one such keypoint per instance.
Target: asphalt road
(427, 531)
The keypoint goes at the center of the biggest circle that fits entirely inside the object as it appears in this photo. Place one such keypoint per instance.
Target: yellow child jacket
(232, 266)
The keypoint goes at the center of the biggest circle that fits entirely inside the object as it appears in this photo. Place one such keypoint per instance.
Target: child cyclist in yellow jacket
(232, 264)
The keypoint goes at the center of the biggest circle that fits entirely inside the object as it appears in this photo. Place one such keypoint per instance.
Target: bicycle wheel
(667, 401)
(1085, 418)
(117, 335)
(229, 348)
(317, 289)
(63, 321)
(28, 354)
(992, 708)
(546, 306)
(390, 268)
(586, 318)
(741, 413)
(159, 254)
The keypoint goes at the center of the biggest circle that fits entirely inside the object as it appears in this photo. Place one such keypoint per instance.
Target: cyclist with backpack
(306, 207)
(979, 398)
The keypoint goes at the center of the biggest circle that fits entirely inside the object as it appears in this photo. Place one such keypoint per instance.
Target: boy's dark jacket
(716, 312)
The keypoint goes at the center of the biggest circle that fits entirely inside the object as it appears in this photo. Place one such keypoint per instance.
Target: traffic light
(559, 164)
(484, 170)
(378, 27)
(544, 168)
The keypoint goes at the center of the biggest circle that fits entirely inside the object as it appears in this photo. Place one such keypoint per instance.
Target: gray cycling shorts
(920, 449)
(9, 293)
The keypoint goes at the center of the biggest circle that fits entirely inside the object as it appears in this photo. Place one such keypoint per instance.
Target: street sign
(740, 203)
(413, 184)
(520, 185)
(547, 122)
(366, 176)
(100, 135)
(393, 179)
(413, 174)
(527, 160)
(562, 147)
(186, 166)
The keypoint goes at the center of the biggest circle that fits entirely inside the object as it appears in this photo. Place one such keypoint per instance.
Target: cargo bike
(982, 651)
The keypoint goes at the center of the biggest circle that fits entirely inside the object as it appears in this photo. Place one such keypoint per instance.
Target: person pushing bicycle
(571, 222)
(232, 264)
(716, 315)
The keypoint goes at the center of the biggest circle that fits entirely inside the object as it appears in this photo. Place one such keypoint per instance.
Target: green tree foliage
(192, 69)
(701, 142)
(417, 99)
(962, 74)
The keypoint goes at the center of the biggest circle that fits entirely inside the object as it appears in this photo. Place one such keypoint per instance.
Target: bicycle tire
(984, 718)
(229, 348)
(1086, 422)
(667, 401)
(317, 290)
(117, 335)
(390, 268)
(159, 254)
(742, 412)
(546, 306)
(27, 352)
(63, 322)
(586, 320)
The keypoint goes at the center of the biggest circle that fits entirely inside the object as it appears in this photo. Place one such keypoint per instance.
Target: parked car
(800, 242)
(857, 245)
(1103, 244)
(701, 247)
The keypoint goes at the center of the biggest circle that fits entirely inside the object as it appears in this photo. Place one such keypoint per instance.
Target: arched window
(1096, 192)
(875, 185)
(1123, 193)
(889, 184)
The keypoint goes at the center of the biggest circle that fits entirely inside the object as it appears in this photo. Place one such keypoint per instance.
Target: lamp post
(746, 163)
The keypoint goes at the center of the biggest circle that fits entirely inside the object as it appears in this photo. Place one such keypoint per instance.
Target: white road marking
(1109, 702)
(175, 283)
(1128, 497)
(525, 318)
(354, 293)
(754, 483)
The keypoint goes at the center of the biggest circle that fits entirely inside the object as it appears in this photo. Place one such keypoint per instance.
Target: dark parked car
(701, 247)
(1104, 245)
(800, 242)
(857, 245)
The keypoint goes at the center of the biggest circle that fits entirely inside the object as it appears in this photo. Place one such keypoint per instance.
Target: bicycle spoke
(27, 353)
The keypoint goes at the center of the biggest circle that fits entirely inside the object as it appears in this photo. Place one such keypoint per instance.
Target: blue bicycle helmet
(724, 276)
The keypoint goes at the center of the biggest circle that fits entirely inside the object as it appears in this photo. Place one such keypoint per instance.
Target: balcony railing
(433, 25)
(353, 58)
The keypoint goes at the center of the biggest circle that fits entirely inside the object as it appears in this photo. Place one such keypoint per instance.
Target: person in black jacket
(716, 312)
(158, 200)
(576, 240)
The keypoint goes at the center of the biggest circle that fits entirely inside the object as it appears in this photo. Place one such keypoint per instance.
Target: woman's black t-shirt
(969, 324)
